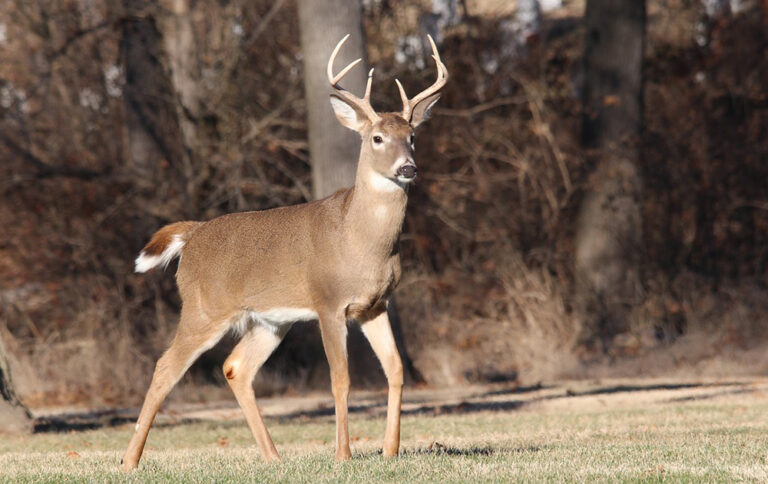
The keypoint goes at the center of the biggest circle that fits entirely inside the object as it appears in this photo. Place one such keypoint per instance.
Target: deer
(335, 261)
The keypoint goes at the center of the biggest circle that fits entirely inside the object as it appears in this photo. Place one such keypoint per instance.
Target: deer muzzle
(407, 171)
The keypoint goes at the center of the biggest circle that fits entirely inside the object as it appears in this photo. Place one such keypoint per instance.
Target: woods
(609, 245)
(590, 200)
(14, 416)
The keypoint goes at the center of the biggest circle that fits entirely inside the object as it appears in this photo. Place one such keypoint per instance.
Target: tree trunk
(145, 83)
(333, 149)
(152, 130)
(184, 70)
(609, 237)
(14, 416)
(163, 100)
(613, 72)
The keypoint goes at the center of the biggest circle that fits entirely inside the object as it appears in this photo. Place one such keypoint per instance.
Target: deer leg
(379, 334)
(334, 332)
(240, 369)
(187, 345)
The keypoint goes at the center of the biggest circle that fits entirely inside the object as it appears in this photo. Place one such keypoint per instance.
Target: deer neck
(376, 212)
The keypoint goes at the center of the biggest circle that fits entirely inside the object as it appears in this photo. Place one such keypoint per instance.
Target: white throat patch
(380, 183)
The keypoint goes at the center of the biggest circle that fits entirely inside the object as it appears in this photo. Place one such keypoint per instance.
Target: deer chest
(372, 290)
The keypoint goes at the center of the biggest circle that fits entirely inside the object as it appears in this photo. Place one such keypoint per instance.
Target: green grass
(655, 442)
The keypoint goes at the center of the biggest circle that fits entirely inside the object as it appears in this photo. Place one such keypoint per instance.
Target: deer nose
(407, 170)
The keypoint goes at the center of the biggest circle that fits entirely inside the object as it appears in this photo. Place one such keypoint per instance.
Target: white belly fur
(276, 320)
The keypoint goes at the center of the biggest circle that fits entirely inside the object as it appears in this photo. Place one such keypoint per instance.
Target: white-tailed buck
(334, 260)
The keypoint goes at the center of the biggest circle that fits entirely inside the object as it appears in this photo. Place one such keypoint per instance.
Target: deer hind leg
(189, 343)
(334, 332)
(240, 369)
(379, 334)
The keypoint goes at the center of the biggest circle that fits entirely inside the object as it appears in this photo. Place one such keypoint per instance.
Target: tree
(162, 98)
(14, 416)
(150, 117)
(333, 149)
(609, 237)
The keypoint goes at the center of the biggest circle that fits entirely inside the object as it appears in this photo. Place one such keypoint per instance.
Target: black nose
(407, 171)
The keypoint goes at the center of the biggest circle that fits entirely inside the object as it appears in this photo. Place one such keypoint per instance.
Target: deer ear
(421, 110)
(348, 115)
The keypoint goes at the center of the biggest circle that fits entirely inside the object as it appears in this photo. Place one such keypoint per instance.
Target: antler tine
(329, 67)
(404, 98)
(344, 71)
(367, 96)
(363, 103)
(442, 78)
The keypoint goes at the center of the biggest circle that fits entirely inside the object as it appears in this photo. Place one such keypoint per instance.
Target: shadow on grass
(518, 390)
(378, 409)
(476, 403)
(436, 448)
(72, 422)
(694, 398)
(67, 422)
(649, 388)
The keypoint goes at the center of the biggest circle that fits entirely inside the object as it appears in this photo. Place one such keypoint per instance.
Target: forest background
(539, 243)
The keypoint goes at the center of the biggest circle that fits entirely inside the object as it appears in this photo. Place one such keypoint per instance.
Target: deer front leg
(379, 334)
(333, 329)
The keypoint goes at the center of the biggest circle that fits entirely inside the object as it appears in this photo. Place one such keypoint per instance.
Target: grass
(663, 440)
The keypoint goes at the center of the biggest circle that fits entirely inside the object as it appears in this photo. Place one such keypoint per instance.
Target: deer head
(387, 138)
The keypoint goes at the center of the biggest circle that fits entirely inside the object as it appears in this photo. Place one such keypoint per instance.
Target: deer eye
(378, 139)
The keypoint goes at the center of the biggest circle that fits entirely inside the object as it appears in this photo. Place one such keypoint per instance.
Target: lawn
(624, 433)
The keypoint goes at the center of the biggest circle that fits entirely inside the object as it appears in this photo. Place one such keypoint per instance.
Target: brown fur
(164, 236)
(336, 258)
(395, 124)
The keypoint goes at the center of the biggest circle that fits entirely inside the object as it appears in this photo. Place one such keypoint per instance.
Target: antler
(365, 103)
(442, 77)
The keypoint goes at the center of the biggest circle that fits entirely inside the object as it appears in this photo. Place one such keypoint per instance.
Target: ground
(628, 430)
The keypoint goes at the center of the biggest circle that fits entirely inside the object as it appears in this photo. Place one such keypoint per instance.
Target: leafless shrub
(487, 288)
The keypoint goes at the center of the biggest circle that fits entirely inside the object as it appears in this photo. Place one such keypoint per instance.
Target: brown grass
(630, 430)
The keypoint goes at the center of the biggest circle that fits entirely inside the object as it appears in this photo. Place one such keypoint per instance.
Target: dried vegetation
(488, 286)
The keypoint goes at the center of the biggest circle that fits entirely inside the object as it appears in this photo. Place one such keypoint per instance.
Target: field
(607, 431)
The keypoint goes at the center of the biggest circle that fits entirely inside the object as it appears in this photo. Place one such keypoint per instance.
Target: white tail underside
(145, 262)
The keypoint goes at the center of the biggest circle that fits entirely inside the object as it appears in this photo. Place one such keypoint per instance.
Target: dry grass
(634, 431)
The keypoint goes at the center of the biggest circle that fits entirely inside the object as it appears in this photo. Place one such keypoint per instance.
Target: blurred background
(592, 197)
